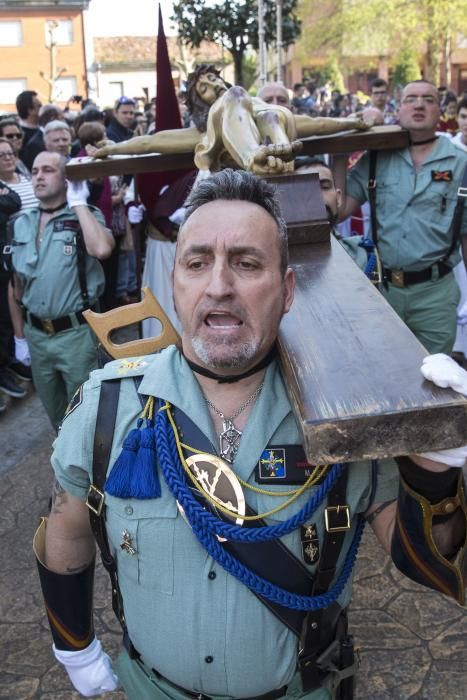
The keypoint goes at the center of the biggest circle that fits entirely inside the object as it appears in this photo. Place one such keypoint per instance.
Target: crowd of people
(306, 98)
(71, 131)
(223, 252)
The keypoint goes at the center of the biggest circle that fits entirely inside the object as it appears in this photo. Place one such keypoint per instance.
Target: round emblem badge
(217, 479)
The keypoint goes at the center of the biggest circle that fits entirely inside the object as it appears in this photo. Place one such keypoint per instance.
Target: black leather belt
(400, 278)
(272, 695)
(57, 324)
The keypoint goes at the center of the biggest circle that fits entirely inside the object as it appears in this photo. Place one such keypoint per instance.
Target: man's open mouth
(222, 319)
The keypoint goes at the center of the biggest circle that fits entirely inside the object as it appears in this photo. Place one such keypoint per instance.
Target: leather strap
(372, 196)
(456, 222)
(81, 255)
(103, 438)
(316, 626)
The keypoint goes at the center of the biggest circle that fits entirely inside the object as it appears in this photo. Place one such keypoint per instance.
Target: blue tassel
(118, 482)
(144, 478)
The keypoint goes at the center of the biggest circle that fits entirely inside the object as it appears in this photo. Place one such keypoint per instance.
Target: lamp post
(262, 48)
(279, 41)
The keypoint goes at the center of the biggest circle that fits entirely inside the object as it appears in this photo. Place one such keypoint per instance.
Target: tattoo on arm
(77, 569)
(379, 510)
(59, 497)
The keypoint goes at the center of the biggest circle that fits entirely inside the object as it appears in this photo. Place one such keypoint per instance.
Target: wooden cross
(351, 366)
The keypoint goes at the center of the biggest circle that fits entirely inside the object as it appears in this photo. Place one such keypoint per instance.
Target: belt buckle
(462, 192)
(337, 509)
(48, 327)
(93, 491)
(397, 278)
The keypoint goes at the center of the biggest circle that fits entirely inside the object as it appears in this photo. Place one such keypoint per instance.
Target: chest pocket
(387, 196)
(148, 528)
(445, 202)
(63, 245)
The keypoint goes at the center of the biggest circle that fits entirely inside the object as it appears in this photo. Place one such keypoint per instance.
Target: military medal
(127, 543)
(217, 481)
(310, 543)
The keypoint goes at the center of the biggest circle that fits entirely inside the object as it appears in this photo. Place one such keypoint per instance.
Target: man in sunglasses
(119, 128)
(413, 195)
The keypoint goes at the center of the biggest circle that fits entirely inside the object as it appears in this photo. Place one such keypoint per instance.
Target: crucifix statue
(351, 366)
(233, 129)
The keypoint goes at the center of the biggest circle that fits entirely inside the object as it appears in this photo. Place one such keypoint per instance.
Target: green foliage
(351, 28)
(407, 68)
(234, 25)
(328, 74)
(249, 70)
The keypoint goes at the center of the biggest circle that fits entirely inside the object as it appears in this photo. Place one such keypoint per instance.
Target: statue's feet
(273, 159)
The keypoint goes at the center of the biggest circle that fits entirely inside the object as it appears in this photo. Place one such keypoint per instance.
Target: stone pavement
(413, 643)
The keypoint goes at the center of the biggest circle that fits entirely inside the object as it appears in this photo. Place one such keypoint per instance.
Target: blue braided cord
(270, 591)
(370, 265)
(367, 243)
(208, 540)
(172, 471)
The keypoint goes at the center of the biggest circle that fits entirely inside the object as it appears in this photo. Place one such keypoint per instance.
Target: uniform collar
(443, 149)
(169, 377)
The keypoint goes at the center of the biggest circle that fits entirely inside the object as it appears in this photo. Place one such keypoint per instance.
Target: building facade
(42, 48)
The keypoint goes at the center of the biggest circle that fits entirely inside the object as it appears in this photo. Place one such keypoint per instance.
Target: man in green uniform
(55, 252)
(204, 617)
(416, 192)
(332, 198)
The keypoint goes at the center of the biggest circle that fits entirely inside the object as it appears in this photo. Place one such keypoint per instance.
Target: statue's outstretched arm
(169, 141)
(325, 126)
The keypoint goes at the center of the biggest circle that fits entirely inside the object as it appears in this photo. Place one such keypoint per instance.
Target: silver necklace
(229, 438)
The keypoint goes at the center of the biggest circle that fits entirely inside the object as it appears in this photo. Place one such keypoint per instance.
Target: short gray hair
(56, 125)
(245, 187)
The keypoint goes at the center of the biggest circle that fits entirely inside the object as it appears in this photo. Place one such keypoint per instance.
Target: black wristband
(434, 486)
(68, 601)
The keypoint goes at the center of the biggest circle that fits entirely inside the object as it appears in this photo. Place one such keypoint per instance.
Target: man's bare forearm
(14, 297)
(69, 543)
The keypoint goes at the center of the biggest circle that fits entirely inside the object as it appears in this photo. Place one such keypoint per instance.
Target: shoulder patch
(126, 367)
(76, 400)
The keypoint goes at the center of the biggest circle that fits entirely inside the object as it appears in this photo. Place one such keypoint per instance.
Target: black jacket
(116, 132)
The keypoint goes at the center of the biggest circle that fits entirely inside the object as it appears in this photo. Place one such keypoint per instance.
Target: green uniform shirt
(49, 275)
(413, 211)
(178, 615)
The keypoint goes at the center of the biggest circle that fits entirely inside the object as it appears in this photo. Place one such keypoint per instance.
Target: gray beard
(245, 354)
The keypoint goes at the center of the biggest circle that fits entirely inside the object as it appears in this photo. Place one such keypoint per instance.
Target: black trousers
(6, 328)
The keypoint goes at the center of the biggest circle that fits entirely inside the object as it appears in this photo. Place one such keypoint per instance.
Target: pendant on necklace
(229, 440)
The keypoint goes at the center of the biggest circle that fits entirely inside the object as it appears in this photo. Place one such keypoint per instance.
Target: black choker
(52, 209)
(422, 143)
(230, 379)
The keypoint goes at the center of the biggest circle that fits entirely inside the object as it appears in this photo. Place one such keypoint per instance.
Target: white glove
(136, 213)
(178, 216)
(462, 314)
(443, 371)
(22, 351)
(90, 670)
(77, 193)
(456, 457)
